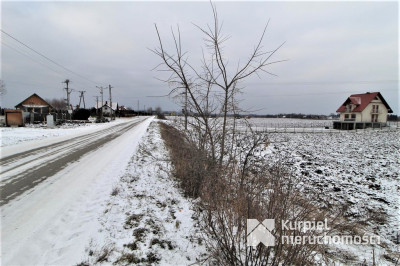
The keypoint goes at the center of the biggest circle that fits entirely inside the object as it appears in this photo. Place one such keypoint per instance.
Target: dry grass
(248, 188)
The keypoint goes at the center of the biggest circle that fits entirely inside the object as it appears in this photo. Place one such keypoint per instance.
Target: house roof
(100, 104)
(33, 101)
(361, 101)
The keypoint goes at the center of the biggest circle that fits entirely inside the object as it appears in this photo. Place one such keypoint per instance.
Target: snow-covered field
(287, 125)
(357, 169)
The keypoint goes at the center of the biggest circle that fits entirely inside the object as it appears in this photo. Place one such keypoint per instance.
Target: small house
(363, 110)
(35, 108)
(107, 108)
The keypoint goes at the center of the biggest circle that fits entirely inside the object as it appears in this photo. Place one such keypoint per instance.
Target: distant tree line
(297, 115)
(392, 117)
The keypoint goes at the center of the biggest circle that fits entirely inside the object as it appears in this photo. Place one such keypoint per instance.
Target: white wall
(382, 112)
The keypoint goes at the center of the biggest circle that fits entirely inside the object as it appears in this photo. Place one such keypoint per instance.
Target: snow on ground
(16, 135)
(119, 204)
(147, 219)
(292, 123)
(52, 223)
(286, 125)
(358, 169)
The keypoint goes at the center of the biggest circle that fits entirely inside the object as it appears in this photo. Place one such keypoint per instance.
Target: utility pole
(97, 104)
(109, 88)
(102, 102)
(82, 97)
(68, 93)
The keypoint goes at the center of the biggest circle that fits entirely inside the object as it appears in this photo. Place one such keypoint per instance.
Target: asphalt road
(26, 170)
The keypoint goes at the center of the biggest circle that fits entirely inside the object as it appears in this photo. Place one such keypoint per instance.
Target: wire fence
(288, 125)
(314, 127)
(319, 130)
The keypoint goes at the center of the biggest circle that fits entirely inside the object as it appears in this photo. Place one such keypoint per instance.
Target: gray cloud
(330, 46)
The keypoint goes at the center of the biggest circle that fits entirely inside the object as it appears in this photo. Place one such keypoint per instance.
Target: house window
(374, 118)
(353, 116)
(375, 108)
(346, 116)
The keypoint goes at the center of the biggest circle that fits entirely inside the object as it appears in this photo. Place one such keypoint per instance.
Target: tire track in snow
(70, 152)
(16, 160)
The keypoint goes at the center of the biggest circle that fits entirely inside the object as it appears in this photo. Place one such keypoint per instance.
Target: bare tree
(58, 104)
(218, 162)
(212, 88)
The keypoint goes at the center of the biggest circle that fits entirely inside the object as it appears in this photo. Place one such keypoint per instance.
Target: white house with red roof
(363, 110)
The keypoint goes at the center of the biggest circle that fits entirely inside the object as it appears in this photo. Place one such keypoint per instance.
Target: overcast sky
(334, 49)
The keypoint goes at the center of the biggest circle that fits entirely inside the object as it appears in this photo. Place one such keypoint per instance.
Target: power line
(47, 58)
(34, 60)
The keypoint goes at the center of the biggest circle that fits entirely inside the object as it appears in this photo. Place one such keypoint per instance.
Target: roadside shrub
(81, 114)
(161, 116)
(191, 165)
(115, 191)
(248, 187)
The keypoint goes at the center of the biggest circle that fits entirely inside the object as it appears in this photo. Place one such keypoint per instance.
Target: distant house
(35, 107)
(363, 110)
(107, 108)
(122, 108)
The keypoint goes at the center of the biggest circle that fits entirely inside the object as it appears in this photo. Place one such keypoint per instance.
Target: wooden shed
(14, 117)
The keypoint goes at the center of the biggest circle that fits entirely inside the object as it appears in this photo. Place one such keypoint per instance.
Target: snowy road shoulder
(147, 219)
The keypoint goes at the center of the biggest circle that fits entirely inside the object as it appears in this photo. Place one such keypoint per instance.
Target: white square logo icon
(260, 232)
